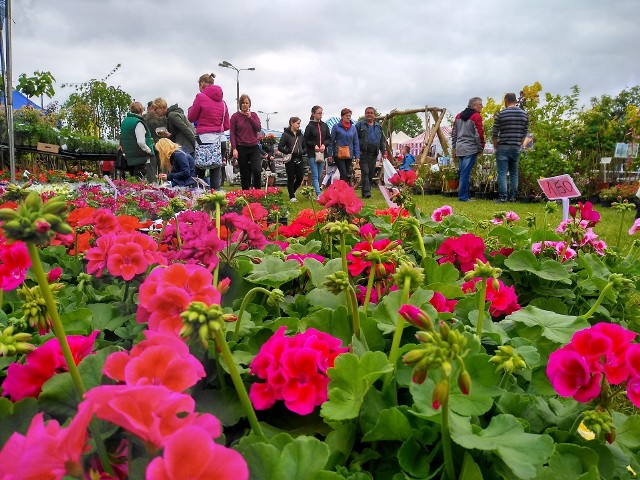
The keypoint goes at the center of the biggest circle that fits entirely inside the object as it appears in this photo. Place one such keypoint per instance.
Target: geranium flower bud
(406, 270)
(415, 317)
(464, 382)
(337, 282)
(440, 393)
(54, 274)
(276, 296)
(419, 375)
(223, 285)
(413, 356)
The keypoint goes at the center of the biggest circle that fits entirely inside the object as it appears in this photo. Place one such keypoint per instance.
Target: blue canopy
(20, 100)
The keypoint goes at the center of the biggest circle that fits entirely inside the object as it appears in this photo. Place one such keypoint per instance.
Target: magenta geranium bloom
(294, 369)
(14, 263)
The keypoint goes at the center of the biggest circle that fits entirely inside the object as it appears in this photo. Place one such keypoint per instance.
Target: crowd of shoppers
(165, 144)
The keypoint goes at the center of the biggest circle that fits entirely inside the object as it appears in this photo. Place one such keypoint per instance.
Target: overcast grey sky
(388, 54)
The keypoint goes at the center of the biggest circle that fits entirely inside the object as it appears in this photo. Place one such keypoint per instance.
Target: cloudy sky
(385, 53)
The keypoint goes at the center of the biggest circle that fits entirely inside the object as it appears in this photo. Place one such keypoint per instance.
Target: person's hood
(214, 92)
(290, 132)
(174, 108)
(467, 113)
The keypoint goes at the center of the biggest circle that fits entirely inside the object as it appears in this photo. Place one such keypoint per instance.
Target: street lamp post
(268, 114)
(226, 64)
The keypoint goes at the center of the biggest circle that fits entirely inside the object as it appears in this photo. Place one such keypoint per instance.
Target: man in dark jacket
(467, 139)
(182, 132)
(371, 145)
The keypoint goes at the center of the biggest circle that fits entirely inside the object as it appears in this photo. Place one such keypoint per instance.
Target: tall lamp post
(226, 64)
(268, 114)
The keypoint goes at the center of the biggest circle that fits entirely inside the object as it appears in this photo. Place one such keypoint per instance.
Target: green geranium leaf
(505, 437)
(470, 469)
(302, 459)
(77, 322)
(412, 458)
(262, 459)
(319, 272)
(224, 404)
(557, 328)
(16, 417)
(570, 461)
(311, 246)
(445, 273)
(351, 377)
(628, 431)
(526, 261)
(391, 424)
(273, 272)
(386, 312)
(105, 316)
(334, 322)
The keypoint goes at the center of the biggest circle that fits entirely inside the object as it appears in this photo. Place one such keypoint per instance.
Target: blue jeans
(507, 160)
(465, 165)
(316, 171)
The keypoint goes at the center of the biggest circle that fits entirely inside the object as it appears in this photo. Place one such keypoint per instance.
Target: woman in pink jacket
(211, 115)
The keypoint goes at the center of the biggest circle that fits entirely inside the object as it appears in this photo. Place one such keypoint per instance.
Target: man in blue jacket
(371, 145)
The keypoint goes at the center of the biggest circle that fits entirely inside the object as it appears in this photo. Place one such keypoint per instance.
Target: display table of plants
(160, 334)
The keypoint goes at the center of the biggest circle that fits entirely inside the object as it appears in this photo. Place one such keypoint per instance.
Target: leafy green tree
(409, 124)
(96, 108)
(38, 85)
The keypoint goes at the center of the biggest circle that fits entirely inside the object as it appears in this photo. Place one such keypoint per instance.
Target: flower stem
(397, 335)
(481, 304)
(217, 269)
(355, 315)
(620, 229)
(423, 252)
(164, 225)
(221, 341)
(56, 323)
(367, 297)
(243, 306)
(58, 330)
(343, 253)
(599, 301)
(446, 440)
(178, 232)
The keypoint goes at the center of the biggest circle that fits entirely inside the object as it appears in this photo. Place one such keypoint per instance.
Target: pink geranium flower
(14, 263)
(439, 213)
(462, 251)
(191, 453)
(570, 375)
(441, 304)
(341, 196)
(635, 227)
(167, 292)
(46, 451)
(151, 412)
(294, 369)
(26, 380)
(159, 360)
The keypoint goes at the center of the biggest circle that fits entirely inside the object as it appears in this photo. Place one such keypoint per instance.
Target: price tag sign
(112, 185)
(561, 186)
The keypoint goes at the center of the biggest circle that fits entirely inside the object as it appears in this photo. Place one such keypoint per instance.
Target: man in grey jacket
(467, 139)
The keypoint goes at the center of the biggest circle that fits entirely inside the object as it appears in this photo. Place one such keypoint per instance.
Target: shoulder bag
(286, 158)
(319, 155)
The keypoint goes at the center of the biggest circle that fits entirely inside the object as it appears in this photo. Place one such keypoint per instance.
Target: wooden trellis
(429, 112)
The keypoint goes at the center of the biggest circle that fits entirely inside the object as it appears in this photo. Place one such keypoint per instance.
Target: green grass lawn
(607, 229)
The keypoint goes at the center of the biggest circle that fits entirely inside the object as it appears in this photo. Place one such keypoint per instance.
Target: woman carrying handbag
(291, 147)
(317, 138)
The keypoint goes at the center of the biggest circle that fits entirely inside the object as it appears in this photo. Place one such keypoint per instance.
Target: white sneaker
(293, 200)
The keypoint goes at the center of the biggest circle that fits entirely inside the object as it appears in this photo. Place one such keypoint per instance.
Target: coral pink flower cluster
(462, 251)
(341, 196)
(604, 350)
(504, 300)
(168, 291)
(295, 370)
(14, 263)
(123, 255)
(508, 217)
(158, 360)
(26, 380)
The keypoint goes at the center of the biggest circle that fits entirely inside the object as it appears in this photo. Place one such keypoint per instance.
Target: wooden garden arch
(429, 112)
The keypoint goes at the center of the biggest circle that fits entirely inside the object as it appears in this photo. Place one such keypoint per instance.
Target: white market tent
(397, 140)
